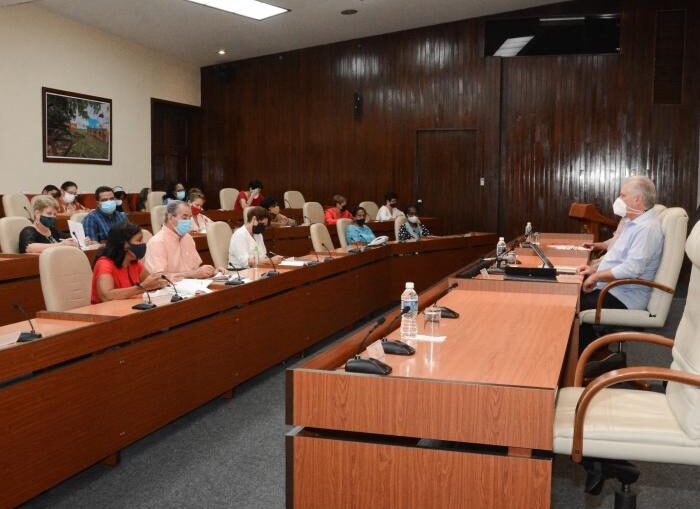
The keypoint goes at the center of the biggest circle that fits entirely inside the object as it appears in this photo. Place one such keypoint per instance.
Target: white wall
(38, 48)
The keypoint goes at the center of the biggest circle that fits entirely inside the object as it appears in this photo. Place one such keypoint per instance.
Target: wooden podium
(591, 219)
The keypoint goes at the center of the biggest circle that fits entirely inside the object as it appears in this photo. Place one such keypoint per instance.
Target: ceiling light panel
(249, 8)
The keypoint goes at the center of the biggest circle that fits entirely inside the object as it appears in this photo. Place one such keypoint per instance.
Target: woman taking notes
(42, 233)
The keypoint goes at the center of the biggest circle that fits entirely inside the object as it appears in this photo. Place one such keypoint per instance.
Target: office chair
(17, 205)
(10, 228)
(218, 238)
(341, 227)
(371, 208)
(154, 199)
(66, 278)
(313, 213)
(602, 427)
(157, 218)
(228, 197)
(78, 216)
(320, 238)
(294, 200)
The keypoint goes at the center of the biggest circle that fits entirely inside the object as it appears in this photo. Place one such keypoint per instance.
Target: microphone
(238, 280)
(330, 256)
(354, 249)
(176, 297)
(394, 346)
(273, 272)
(25, 337)
(369, 366)
(313, 262)
(144, 306)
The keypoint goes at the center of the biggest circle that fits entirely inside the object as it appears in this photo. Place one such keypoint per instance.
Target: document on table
(291, 262)
(189, 287)
(568, 247)
(77, 233)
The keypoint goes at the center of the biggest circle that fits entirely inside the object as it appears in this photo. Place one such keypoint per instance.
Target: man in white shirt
(247, 247)
(388, 211)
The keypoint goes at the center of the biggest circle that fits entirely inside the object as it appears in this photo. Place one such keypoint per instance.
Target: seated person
(276, 219)
(199, 221)
(68, 202)
(358, 232)
(252, 198)
(52, 191)
(412, 228)
(176, 191)
(143, 198)
(340, 210)
(43, 234)
(99, 221)
(635, 254)
(605, 245)
(122, 199)
(172, 250)
(389, 211)
(247, 247)
(119, 272)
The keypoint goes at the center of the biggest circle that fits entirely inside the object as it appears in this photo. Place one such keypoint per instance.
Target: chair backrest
(146, 234)
(78, 216)
(684, 400)
(371, 208)
(319, 237)
(9, 233)
(659, 209)
(674, 224)
(157, 218)
(313, 212)
(218, 239)
(227, 198)
(66, 278)
(154, 199)
(245, 214)
(397, 225)
(293, 200)
(342, 226)
(16, 205)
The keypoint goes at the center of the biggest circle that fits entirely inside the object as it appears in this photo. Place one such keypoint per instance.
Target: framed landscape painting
(77, 128)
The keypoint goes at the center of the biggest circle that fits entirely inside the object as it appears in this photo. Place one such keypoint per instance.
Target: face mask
(183, 227)
(360, 222)
(195, 210)
(180, 195)
(393, 204)
(119, 203)
(47, 221)
(139, 250)
(621, 209)
(412, 219)
(108, 207)
(259, 228)
(68, 197)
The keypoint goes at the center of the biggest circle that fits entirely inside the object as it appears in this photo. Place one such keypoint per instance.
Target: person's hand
(154, 282)
(277, 259)
(255, 193)
(588, 245)
(589, 284)
(292, 222)
(221, 270)
(585, 270)
(69, 242)
(89, 242)
(205, 271)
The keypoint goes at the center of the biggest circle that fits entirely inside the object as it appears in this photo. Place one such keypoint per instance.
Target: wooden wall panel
(551, 129)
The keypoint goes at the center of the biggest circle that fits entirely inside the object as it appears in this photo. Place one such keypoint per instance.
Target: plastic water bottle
(528, 232)
(501, 247)
(409, 325)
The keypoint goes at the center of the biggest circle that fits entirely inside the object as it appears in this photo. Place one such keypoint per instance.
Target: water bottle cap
(529, 223)
(409, 286)
(500, 239)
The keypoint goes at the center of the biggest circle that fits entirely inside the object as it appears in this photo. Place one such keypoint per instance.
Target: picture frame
(77, 128)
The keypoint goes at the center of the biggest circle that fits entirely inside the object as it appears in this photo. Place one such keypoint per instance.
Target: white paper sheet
(77, 233)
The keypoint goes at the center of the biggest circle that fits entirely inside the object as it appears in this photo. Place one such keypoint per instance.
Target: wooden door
(175, 153)
(448, 179)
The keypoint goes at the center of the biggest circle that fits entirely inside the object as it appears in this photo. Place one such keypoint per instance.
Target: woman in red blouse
(252, 198)
(119, 272)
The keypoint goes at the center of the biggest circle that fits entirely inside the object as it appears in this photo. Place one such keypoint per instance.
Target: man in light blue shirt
(635, 254)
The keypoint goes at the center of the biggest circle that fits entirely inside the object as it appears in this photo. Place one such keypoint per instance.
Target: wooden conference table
(105, 376)
(466, 422)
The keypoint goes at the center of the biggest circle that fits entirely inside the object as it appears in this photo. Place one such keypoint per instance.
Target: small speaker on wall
(357, 106)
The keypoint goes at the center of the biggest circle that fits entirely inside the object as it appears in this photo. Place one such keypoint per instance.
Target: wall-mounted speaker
(357, 106)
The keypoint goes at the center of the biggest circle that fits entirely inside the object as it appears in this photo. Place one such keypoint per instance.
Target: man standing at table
(636, 254)
(172, 250)
(98, 222)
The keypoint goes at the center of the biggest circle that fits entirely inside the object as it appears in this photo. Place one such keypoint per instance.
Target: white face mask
(413, 219)
(621, 209)
(119, 202)
(68, 197)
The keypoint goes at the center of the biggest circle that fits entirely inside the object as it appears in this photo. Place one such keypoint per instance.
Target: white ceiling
(194, 33)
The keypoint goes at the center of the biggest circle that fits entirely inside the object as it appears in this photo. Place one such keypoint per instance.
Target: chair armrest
(616, 377)
(620, 282)
(617, 337)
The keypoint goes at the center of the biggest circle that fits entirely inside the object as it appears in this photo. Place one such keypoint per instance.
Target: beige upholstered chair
(320, 238)
(227, 198)
(341, 226)
(10, 227)
(218, 238)
(371, 208)
(154, 199)
(674, 223)
(625, 424)
(313, 213)
(397, 225)
(66, 278)
(146, 234)
(78, 216)
(294, 200)
(157, 218)
(16, 205)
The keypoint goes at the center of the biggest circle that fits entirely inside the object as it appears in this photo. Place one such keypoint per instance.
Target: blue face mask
(180, 195)
(108, 207)
(183, 227)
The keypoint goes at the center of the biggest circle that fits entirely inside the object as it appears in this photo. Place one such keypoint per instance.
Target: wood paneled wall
(551, 130)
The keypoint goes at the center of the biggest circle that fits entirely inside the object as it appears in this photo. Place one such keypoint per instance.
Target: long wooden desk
(78, 396)
(464, 423)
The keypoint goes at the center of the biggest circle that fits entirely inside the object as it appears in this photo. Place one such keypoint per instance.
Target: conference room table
(465, 422)
(106, 375)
